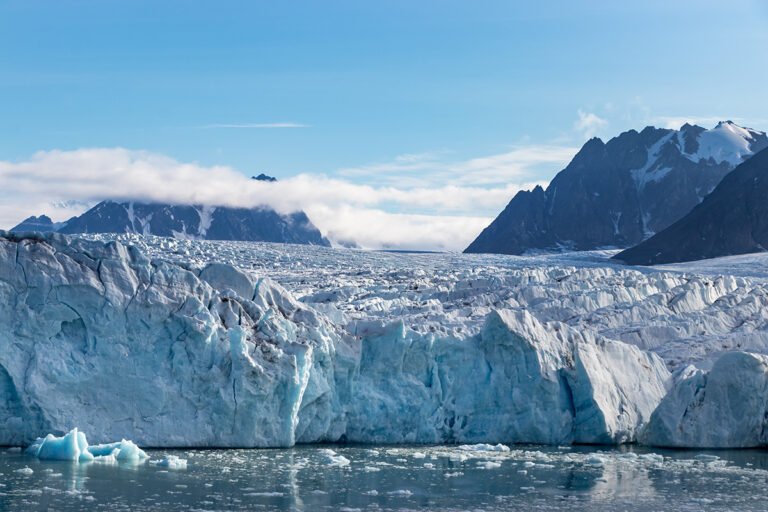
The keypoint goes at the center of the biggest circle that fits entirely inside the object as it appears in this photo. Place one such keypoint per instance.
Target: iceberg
(74, 446)
(171, 462)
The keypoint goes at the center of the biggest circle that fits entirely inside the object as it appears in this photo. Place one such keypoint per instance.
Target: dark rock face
(42, 224)
(263, 177)
(733, 219)
(619, 193)
(201, 222)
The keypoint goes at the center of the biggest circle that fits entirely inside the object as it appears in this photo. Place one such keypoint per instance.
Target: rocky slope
(619, 193)
(41, 224)
(733, 219)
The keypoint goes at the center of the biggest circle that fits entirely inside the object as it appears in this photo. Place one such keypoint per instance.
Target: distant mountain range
(187, 221)
(619, 193)
(733, 219)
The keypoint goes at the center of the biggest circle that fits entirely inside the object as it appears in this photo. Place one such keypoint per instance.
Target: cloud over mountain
(423, 214)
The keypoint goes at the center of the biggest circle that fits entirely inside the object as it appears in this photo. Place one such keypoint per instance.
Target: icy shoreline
(444, 350)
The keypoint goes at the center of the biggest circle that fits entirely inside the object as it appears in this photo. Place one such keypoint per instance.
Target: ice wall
(99, 336)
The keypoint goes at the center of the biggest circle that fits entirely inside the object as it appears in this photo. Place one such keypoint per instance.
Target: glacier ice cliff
(99, 336)
(172, 352)
(726, 407)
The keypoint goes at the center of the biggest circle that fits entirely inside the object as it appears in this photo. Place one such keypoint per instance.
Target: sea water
(481, 478)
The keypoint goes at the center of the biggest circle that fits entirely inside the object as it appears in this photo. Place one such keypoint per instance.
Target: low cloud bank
(447, 217)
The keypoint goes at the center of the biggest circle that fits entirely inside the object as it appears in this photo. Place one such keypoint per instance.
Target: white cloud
(256, 125)
(377, 229)
(589, 124)
(424, 214)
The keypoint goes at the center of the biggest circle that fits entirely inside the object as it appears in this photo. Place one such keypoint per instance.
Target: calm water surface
(396, 478)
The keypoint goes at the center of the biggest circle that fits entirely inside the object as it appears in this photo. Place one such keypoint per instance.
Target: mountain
(264, 177)
(619, 193)
(41, 224)
(733, 219)
(260, 224)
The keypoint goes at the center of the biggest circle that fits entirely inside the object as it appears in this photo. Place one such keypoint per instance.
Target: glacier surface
(181, 343)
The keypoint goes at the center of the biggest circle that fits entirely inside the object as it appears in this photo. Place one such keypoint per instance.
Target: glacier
(175, 343)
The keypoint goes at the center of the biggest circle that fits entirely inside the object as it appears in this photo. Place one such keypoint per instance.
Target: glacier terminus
(183, 343)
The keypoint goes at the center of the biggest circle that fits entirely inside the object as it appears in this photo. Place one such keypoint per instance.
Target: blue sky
(354, 89)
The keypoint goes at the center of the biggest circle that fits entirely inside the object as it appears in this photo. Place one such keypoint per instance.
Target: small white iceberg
(483, 447)
(170, 462)
(74, 446)
(333, 459)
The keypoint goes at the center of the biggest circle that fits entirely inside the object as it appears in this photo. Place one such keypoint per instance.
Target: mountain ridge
(732, 220)
(621, 192)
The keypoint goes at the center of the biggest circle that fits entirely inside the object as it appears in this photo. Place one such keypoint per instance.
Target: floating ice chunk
(401, 492)
(24, 471)
(104, 450)
(652, 457)
(124, 451)
(457, 457)
(489, 465)
(171, 462)
(483, 447)
(130, 452)
(334, 459)
(74, 446)
(594, 460)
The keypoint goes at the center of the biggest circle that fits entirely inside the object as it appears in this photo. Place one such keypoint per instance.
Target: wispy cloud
(589, 124)
(422, 214)
(255, 125)
(529, 163)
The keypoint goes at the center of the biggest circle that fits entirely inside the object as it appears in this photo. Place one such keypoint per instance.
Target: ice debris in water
(74, 446)
(170, 462)
(483, 447)
(334, 459)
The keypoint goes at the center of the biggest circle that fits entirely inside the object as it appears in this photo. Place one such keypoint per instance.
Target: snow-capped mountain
(619, 193)
(187, 221)
(733, 219)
